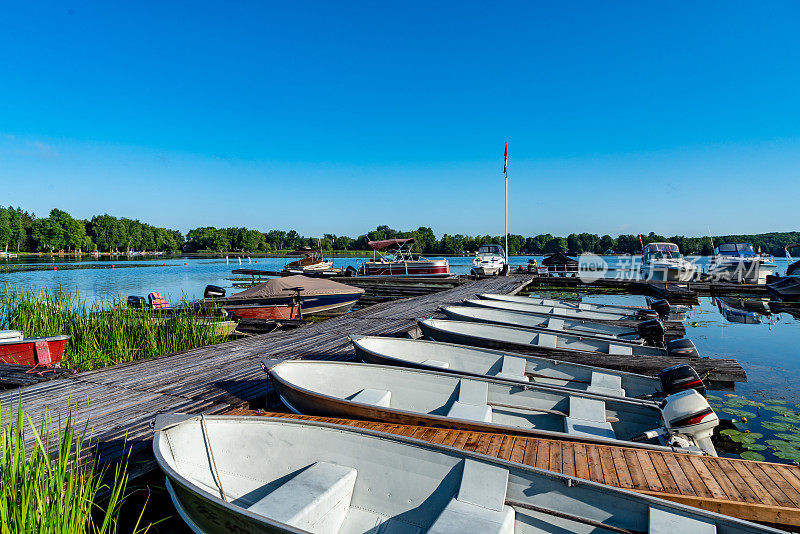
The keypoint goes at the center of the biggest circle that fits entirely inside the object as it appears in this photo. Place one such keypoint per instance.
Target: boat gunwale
(567, 480)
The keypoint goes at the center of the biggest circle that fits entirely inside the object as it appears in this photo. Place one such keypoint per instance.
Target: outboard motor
(350, 271)
(213, 292)
(682, 348)
(661, 307)
(652, 332)
(136, 302)
(679, 378)
(688, 414)
(645, 314)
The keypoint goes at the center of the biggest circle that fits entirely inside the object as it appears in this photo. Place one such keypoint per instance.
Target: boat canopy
(735, 249)
(491, 249)
(380, 245)
(661, 247)
(285, 287)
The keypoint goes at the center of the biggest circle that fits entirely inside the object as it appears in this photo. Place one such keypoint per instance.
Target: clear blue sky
(621, 117)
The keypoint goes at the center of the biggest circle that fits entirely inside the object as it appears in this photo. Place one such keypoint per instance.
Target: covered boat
(543, 342)
(739, 263)
(256, 474)
(651, 331)
(34, 351)
(683, 422)
(395, 258)
(787, 288)
(475, 361)
(561, 312)
(290, 296)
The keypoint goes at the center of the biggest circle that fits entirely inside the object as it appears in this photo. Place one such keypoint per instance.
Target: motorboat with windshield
(489, 260)
(739, 262)
(787, 288)
(664, 262)
(394, 257)
(312, 261)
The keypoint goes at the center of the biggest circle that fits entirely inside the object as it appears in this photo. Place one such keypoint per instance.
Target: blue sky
(621, 117)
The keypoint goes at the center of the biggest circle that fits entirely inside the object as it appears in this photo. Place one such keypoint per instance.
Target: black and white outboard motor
(652, 332)
(680, 378)
(661, 307)
(135, 301)
(214, 292)
(690, 418)
(682, 348)
(645, 314)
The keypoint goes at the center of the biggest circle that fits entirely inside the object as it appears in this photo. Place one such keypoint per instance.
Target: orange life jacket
(158, 302)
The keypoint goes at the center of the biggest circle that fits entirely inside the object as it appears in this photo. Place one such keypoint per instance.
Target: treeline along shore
(21, 231)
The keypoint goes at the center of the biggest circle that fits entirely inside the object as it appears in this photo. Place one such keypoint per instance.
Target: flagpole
(505, 172)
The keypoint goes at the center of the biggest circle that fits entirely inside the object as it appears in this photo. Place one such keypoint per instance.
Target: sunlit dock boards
(756, 491)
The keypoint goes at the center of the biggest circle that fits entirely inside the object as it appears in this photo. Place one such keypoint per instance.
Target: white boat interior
(551, 311)
(11, 335)
(589, 306)
(254, 474)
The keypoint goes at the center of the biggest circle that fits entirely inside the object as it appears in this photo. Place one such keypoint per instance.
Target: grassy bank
(101, 334)
(48, 493)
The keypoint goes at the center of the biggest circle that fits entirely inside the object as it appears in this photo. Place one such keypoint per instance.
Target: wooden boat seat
(471, 403)
(555, 324)
(479, 505)
(606, 384)
(436, 363)
(376, 397)
(317, 499)
(548, 341)
(620, 350)
(665, 522)
(587, 417)
(513, 368)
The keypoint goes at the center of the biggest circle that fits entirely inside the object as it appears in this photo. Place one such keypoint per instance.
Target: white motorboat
(738, 262)
(664, 262)
(683, 422)
(255, 474)
(489, 260)
(523, 368)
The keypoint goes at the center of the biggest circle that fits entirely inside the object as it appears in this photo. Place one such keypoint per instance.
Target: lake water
(767, 350)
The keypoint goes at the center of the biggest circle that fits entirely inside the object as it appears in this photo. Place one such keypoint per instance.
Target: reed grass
(45, 492)
(104, 333)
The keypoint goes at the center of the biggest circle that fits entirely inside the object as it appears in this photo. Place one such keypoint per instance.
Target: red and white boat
(395, 258)
(33, 351)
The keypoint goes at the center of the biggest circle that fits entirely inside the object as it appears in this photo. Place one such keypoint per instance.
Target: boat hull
(741, 272)
(407, 268)
(654, 273)
(34, 351)
(324, 305)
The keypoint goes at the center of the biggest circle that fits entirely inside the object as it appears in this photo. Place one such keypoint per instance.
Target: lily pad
(730, 432)
(788, 454)
(781, 445)
(774, 425)
(775, 401)
(713, 397)
(788, 417)
(737, 413)
(750, 455)
(788, 437)
(780, 409)
(754, 446)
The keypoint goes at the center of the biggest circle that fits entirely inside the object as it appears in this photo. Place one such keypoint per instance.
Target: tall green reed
(54, 492)
(103, 334)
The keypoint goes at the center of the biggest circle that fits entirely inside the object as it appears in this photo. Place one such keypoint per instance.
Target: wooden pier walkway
(118, 403)
(756, 491)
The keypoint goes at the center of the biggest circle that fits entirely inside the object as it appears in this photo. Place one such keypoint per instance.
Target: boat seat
(668, 522)
(375, 397)
(620, 350)
(317, 499)
(587, 417)
(471, 403)
(436, 363)
(479, 505)
(606, 384)
(555, 324)
(513, 368)
(548, 341)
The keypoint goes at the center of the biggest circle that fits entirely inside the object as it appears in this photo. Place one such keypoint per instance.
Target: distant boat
(739, 263)
(563, 313)
(543, 342)
(489, 260)
(397, 259)
(664, 262)
(787, 288)
(684, 421)
(312, 261)
(650, 331)
(290, 296)
(33, 351)
(257, 474)
(523, 368)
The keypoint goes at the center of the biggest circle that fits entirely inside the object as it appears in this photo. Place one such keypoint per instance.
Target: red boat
(397, 259)
(33, 351)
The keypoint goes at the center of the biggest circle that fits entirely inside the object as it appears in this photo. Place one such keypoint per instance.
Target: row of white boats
(256, 474)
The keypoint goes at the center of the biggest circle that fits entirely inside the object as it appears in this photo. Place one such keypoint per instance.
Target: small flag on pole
(640, 241)
(505, 160)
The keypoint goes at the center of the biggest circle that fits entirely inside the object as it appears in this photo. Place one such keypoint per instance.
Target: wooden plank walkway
(756, 491)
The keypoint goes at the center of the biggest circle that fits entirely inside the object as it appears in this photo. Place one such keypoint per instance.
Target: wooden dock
(756, 491)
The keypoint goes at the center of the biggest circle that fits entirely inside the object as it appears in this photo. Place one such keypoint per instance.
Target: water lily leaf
(779, 409)
(737, 413)
(775, 401)
(743, 438)
(739, 425)
(730, 432)
(788, 455)
(773, 425)
(788, 437)
(788, 417)
(754, 456)
(754, 446)
(780, 444)
(731, 395)
(713, 397)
